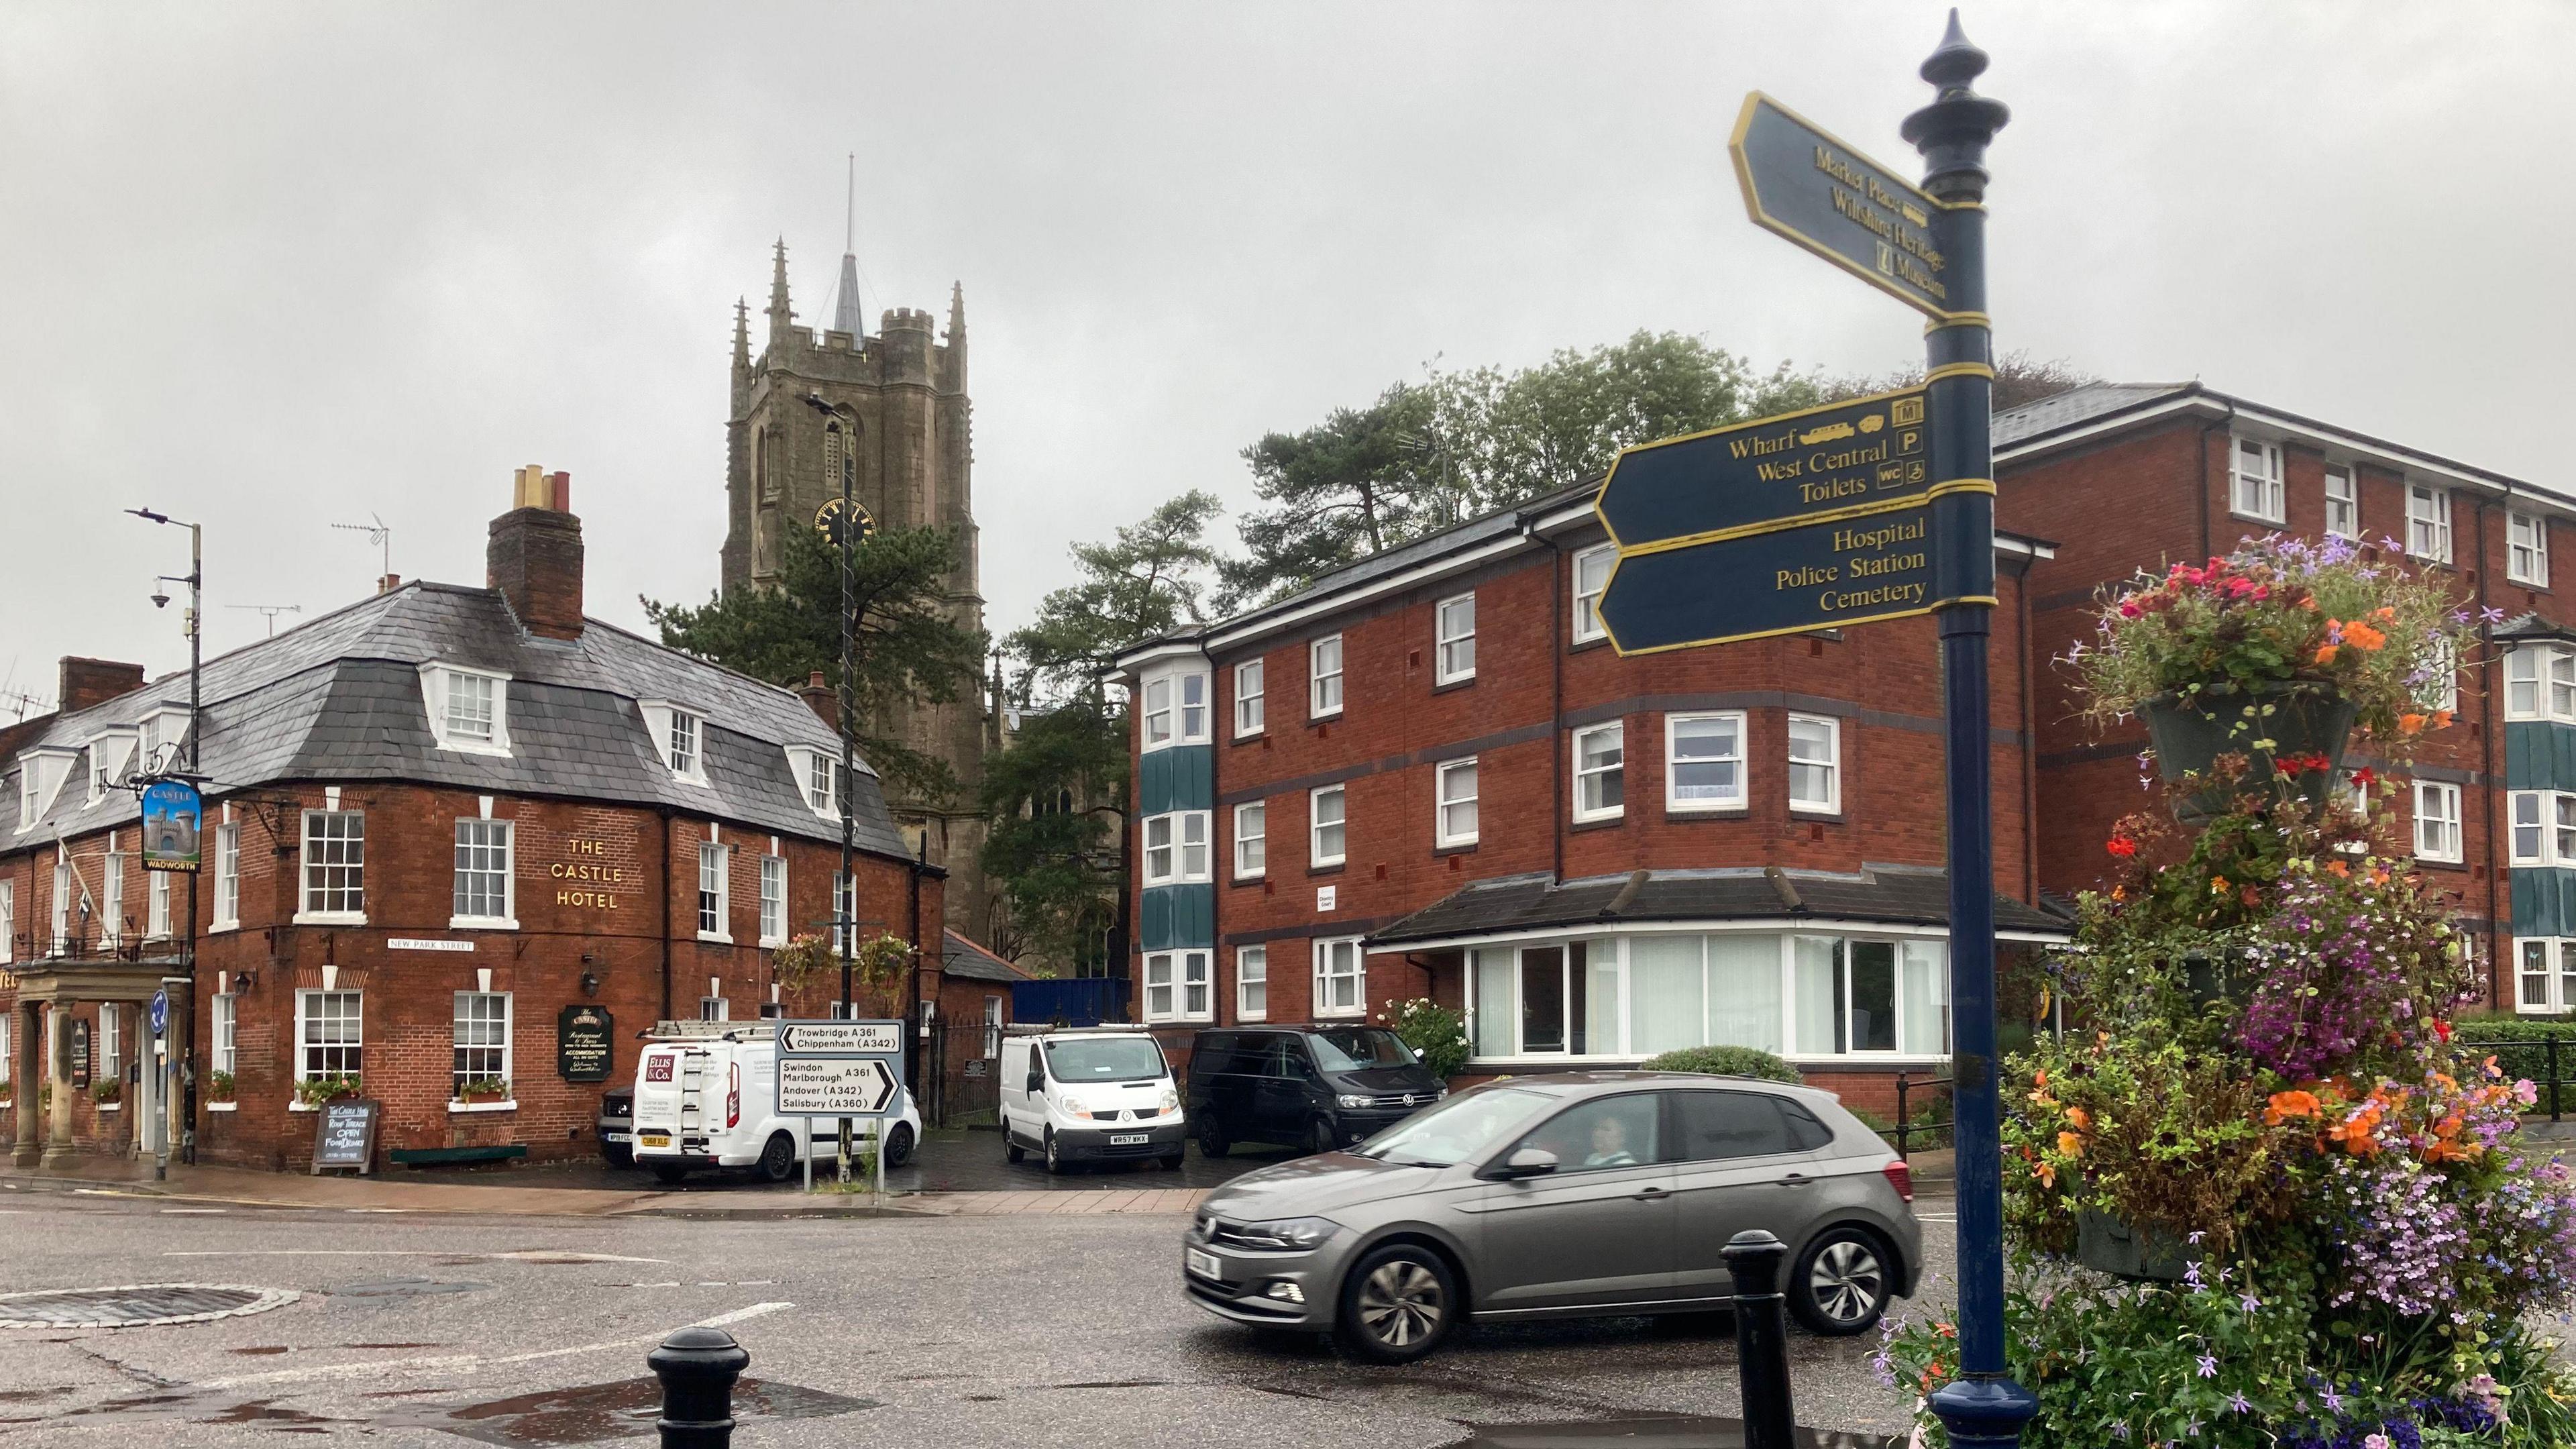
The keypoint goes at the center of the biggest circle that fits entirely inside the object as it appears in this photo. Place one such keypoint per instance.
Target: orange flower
(2338, 869)
(2040, 1078)
(2441, 719)
(2069, 1145)
(2410, 723)
(2362, 636)
(2384, 611)
(2285, 1105)
(2046, 1174)
(2082, 1119)
(2325, 654)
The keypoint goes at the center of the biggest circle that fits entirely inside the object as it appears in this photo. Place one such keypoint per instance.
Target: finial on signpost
(1954, 131)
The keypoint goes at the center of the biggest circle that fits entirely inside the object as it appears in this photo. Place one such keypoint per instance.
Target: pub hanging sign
(585, 1043)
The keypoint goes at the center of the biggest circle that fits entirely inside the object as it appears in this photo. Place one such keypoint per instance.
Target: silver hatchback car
(1575, 1195)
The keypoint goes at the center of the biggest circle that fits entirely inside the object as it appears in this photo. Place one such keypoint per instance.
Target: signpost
(1878, 508)
(842, 1069)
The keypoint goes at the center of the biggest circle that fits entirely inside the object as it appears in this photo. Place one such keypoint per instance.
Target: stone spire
(741, 335)
(957, 336)
(781, 317)
(846, 316)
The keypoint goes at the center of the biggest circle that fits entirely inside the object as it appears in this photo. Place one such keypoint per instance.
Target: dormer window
(110, 755)
(469, 709)
(818, 775)
(680, 736)
(161, 732)
(41, 773)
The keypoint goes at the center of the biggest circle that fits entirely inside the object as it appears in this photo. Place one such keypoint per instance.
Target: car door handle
(1795, 1179)
(1651, 1194)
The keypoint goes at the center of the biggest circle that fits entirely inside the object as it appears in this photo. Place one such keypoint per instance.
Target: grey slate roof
(2533, 626)
(2077, 406)
(339, 700)
(1892, 894)
(963, 958)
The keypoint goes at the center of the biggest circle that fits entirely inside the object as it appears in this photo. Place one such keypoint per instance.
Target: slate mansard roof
(339, 700)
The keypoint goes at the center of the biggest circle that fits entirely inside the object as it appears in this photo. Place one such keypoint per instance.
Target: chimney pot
(388, 583)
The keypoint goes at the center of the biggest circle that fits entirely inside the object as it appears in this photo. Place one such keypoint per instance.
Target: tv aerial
(379, 533)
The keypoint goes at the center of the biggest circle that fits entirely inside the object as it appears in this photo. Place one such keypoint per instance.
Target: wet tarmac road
(1054, 1330)
(956, 1160)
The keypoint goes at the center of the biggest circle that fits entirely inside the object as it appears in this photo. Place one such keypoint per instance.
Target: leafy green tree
(1057, 798)
(908, 647)
(2019, 378)
(1428, 455)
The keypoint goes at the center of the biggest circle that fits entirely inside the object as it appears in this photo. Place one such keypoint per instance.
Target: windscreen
(1352, 1048)
(1468, 1125)
(1109, 1059)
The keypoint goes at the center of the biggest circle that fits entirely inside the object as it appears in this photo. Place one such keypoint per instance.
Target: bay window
(1177, 985)
(1176, 847)
(2546, 980)
(1704, 761)
(2540, 682)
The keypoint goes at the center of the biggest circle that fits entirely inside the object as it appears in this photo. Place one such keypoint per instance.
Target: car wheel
(668, 1173)
(1841, 1284)
(1212, 1141)
(1012, 1151)
(777, 1158)
(1319, 1136)
(1054, 1153)
(898, 1149)
(1398, 1303)
(1172, 1161)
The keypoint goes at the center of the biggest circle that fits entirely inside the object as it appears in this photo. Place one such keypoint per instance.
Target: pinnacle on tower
(741, 335)
(781, 317)
(956, 310)
(846, 316)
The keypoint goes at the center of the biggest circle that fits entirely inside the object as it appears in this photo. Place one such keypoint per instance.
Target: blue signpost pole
(1983, 1405)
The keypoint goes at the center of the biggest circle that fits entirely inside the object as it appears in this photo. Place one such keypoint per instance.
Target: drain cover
(137, 1305)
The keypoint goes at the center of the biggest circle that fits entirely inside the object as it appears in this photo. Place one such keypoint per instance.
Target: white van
(706, 1096)
(1089, 1095)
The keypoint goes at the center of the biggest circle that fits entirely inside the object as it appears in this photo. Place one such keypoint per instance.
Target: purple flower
(2250, 1302)
(2209, 1365)
(2236, 1403)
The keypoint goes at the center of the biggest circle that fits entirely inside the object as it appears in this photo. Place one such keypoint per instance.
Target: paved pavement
(1064, 1328)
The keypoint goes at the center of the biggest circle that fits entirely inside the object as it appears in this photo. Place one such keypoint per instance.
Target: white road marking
(175, 1212)
(523, 1255)
(473, 1360)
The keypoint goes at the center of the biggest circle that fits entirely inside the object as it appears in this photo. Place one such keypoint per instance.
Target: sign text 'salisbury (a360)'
(1838, 461)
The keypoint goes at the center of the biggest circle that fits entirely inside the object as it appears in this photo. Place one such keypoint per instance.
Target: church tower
(915, 455)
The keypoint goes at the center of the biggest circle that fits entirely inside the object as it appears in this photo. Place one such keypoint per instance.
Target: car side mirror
(1037, 1081)
(1418, 1056)
(1528, 1162)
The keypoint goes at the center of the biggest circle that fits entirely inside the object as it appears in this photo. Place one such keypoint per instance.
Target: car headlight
(1440, 1096)
(1287, 1234)
(1171, 1100)
(1073, 1107)
(1353, 1099)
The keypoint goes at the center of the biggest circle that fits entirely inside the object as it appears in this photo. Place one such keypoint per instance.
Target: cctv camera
(160, 601)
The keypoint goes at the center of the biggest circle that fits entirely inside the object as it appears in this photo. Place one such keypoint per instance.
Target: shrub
(1435, 1031)
(1726, 1061)
(220, 1086)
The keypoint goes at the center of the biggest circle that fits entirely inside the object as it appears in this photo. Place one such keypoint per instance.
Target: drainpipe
(666, 817)
(920, 865)
(1556, 746)
(2029, 734)
(2497, 943)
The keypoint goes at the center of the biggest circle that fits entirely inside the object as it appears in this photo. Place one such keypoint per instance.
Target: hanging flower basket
(2291, 735)
(2141, 1255)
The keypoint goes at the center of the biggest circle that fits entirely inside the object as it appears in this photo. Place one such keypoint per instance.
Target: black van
(1319, 1087)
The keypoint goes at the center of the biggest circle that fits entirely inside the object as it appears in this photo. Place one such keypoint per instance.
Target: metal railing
(2517, 1055)
(1903, 1132)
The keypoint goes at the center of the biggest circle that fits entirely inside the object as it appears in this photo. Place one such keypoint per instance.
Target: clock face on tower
(827, 521)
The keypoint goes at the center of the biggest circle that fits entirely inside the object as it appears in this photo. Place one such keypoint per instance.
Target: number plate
(654, 1139)
(1206, 1265)
(1126, 1139)
(616, 1136)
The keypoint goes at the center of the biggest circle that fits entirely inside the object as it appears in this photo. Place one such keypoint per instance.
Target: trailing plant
(107, 1092)
(1725, 1061)
(219, 1086)
(2282, 612)
(493, 1087)
(1437, 1032)
(314, 1091)
(877, 963)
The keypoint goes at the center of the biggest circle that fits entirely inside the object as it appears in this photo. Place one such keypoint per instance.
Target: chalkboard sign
(585, 1043)
(344, 1134)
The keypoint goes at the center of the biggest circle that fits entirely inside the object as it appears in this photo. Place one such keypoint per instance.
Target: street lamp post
(182, 1053)
(845, 924)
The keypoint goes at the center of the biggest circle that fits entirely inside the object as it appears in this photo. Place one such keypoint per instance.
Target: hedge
(1726, 1061)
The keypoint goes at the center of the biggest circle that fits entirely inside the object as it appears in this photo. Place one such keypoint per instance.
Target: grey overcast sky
(278, 267)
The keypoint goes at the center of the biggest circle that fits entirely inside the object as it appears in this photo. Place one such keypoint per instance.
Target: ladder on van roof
(693, 1074)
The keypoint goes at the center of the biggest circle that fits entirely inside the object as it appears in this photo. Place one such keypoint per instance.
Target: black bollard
(697, 1367)
(1761, 1337)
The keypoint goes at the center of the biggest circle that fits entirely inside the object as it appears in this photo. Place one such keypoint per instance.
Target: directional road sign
(160, 1012)
(1785, 581)
(1839, 204)
(837, 1086)
(1805, 467)
(840, 1038)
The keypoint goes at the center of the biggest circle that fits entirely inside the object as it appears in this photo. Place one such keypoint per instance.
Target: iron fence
(1906, 1128)
(2539, 1058)
(961, 1075)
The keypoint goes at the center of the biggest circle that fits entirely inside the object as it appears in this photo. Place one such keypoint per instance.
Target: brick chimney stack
(86, 682)
(534, 557)
(820, 699)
